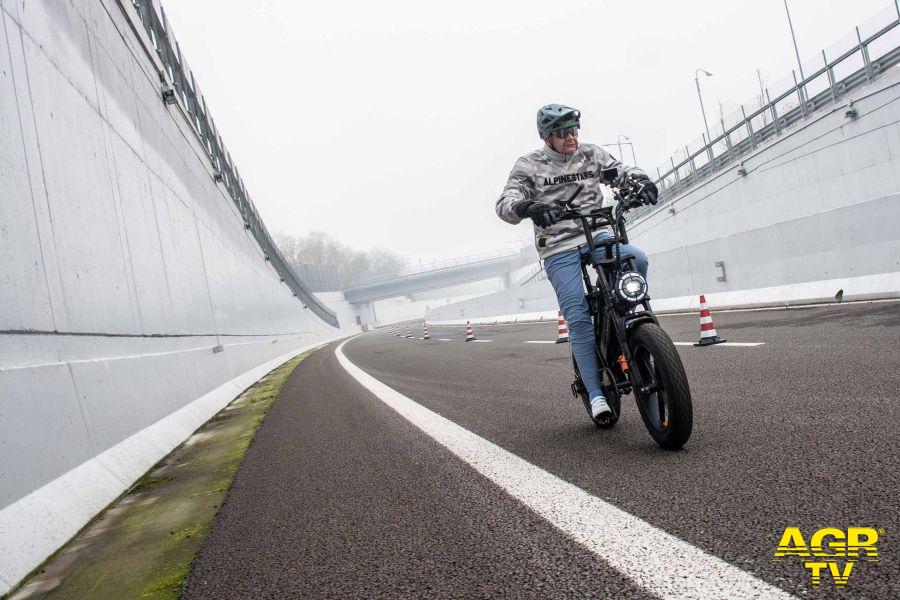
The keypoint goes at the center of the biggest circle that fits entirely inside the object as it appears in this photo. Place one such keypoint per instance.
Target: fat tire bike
(635, 355)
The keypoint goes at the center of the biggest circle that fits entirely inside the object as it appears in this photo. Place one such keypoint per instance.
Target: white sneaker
(599, 407)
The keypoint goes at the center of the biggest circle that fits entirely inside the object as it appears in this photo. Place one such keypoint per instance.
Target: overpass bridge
(437, 275)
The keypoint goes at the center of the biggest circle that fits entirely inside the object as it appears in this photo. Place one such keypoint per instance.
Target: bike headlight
(631, 287)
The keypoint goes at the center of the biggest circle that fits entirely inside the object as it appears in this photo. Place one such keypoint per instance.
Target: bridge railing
(443, 265)
(179, 88)
(870, 49)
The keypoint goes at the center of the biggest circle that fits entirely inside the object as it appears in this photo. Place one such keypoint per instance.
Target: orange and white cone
(470, 335)
(426, 335)
(408, 332)
(708, 335)
(562, 335)
(391, 330)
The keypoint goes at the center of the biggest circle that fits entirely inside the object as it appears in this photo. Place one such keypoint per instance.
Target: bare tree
(320, 248)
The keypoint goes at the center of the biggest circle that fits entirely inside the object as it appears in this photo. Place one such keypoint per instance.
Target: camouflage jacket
(547, 176)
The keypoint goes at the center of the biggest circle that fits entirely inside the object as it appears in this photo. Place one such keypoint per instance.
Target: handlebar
(601, 213)
(625, 193)
(628, 197)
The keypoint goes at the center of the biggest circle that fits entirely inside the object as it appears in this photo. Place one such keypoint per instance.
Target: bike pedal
(578, 388)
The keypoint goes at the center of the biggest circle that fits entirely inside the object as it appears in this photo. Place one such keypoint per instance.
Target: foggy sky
(396, 123)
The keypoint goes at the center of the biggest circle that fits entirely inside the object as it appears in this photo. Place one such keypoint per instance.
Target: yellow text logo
(830, 551)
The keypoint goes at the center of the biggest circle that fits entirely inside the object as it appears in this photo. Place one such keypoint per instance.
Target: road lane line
(540, 342)
(444, 340)
(482, 341)
(735, 344)
(657, 561)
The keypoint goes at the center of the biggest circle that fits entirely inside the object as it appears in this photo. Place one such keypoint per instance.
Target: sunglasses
(564, 132)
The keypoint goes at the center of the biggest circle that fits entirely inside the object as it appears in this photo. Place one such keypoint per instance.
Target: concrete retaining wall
(133, 303)
(816, 212)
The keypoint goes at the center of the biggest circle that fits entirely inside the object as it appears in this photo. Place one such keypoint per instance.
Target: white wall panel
(81, 202)
(42, 428)
(24, 296)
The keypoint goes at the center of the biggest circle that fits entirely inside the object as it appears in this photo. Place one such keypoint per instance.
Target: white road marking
(540, 342)
(481, 341)
(444, 340)
(657, 561)
(735, 344)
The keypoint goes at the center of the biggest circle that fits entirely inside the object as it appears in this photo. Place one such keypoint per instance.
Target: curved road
(341, 496)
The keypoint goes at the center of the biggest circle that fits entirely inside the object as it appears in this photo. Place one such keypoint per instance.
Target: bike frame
(612, 317)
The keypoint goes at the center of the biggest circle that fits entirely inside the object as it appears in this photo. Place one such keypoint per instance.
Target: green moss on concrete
(143, 544)
(148, 482)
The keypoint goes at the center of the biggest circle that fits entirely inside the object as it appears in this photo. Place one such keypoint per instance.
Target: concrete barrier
(135, 304)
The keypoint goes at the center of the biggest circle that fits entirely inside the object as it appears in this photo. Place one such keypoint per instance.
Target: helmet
(555, 116)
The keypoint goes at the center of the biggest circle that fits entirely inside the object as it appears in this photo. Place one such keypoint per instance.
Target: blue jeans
(564, 272)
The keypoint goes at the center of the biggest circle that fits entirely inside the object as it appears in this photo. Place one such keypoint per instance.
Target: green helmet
(556, 116)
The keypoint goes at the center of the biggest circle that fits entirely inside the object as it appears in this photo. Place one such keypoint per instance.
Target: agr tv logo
(834, 551)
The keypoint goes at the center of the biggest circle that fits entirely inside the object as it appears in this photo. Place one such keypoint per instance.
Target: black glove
(645, 188)
(543, 215)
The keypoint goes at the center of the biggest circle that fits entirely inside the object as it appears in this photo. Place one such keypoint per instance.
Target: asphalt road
(339, 496)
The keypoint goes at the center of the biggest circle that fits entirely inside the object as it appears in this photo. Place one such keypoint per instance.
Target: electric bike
(634, 353)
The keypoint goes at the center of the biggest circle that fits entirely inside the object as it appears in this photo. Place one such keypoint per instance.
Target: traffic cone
(708, 335)
(562, 337)
(408, 332)
(391, 330)
(427, 336)
(470, 335)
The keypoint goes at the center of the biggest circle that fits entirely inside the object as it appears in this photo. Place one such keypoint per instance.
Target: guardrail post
(799, 89)
(749, 127)
(727, 141)
(659, 178)
(677, 178)
(830, 72)
(865, 54)
(774, 114)
(709, 153)
(693, 166)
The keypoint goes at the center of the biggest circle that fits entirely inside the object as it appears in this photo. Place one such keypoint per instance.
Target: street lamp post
(619, 144)
(794, 38)
(796, 52)
(629, 143)
(700, 97)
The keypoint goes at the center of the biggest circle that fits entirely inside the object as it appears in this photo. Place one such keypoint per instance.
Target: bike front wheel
(665, 400)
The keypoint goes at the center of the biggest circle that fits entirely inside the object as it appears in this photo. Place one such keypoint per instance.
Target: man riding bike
(540, 179)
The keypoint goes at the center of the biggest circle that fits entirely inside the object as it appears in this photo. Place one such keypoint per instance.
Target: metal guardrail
(871, 49)
(180, 88)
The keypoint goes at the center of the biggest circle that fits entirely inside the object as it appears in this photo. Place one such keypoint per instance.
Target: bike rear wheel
(665, 407)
